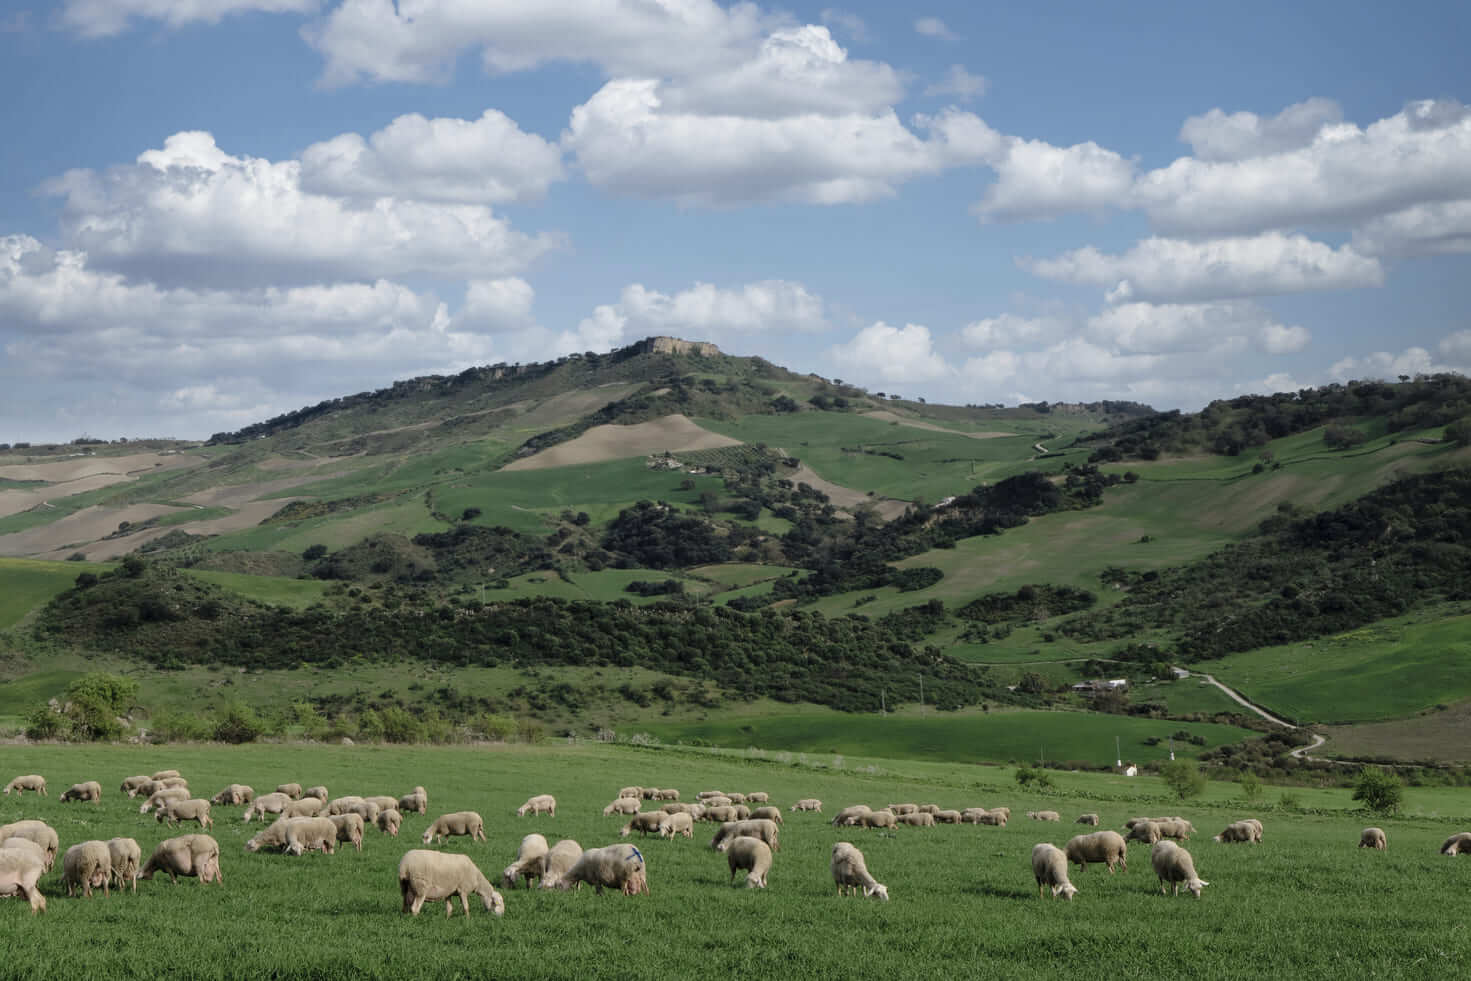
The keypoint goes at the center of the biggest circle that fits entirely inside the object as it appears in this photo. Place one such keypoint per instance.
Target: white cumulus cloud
(959, 83)
(1218, 135)
(935, 27)
(1425, 229)
(1171, 328)
(1035, 179)
(1010, 330)
(891, 354)
(101, 18)
(704, 312)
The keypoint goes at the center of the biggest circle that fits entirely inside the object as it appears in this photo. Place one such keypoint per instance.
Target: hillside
(657, 533)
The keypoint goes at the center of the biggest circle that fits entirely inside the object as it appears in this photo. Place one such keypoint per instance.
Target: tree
(1459, 432)
(238, 724)
(1184, 778)
(1380, 790)
(314, 552)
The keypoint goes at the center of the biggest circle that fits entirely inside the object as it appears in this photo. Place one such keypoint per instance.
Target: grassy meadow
(1306, 903)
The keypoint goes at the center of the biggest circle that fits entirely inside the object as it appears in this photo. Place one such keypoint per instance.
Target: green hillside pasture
(735, 575)
(274, 590)
(26, 584)
(1306, 903)
(1388, 670)
(961, 737)
(1443, 736)
(1186, 696)
(603, 586)
(406, 515)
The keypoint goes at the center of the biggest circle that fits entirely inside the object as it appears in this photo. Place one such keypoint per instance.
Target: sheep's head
(1195, 885)
(876, 891)
(143, 809)
(158, 815)
(494, 901)
(428, 834)
(1066, 890)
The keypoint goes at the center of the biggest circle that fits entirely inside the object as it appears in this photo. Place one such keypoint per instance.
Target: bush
(1251, 786)
(399, 726)
(178, 727)
(497, 728)
(1380, 790)
(238, 724)
(44, 724)
(1184, 778)
(1038, 778)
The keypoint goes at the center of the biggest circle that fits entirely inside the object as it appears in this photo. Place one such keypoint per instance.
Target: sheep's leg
(417, 904)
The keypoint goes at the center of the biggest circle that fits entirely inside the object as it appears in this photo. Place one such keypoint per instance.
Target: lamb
(125, 857)
(531, 862)
(159, 798)
(131, 785)
(90, 790)
(560, 859)
(1174, 865)
(619, 866)
(1107, 847)
(643, 822)
(902, 809)
(37, 831)
(265, 804)
(676, 824)
(1087, 819)
(425, 875)
(769, 813)
(292, 790)
(234, 794)
(456, 823)
(19, 874)
(415, 800)
(1239, 831)
(850, 873)
(1044, 815)
(319, 792)
(188, 855)
(1049, 868)
(759, 797)
(30, 781)
(808, 804)
(540, 804)
(753, 855)
(165, 774)
(1373, 838)
(623, 805)
(767, 831)
(919, 819)
(851, 815)
(388, 821)
(947, 817)
(175, 811)
(307, 834)
(879, 819)
(1454, 845)
(86, 865)
(349, 828)
(669, 793)
(304, 808)
(1148, 832)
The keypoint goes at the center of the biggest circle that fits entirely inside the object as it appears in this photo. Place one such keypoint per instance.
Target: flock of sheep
(748, 833)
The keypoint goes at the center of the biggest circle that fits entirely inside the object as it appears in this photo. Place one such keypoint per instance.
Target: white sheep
(634, 792)
(175, 781)
(88, 790)
(19, 873)
(126, 857)
(271, 837)
(850, 873)
(456, 823)
(619, 866)
(530, 864)
(86, 865)
(678, 823)
(292, 790)
(649, 793)
(668, 793)
(1107, 847)
(850, 815)
(162, 796)
(234, 794)
(1174, 865)
(389, 821)
(319, 792)
(878, 819)
(769, 813)
(1454, 845)
(273, 803)
(27, 847)
(349, 828)
(540, 804)
(188, 855)
(1373, 838)
(929, 808)
(680, 807)
(1049, 868)
(563, 855)
(1044, 815)
(759, 797)
(644, 822)
(426, 875)
(767, 831)
(735, 798)
(1176, 828)
(304, 808)
(365, 809)
(721, 800)
(1087, 819)
(622, 805)
(174, 811)
(919, 819)
(1238, 831)
(753, 855)
(415, 800)
(947, 817)
(1146, 831)
(309, 834)
(708, 794)
(131, 785)
(384, 802)
(166, 774)
(725, 812)
(340, 805)
(808, 804)
(902, 809)
(37, 831)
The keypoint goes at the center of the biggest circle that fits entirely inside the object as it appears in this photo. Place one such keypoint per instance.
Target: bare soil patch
(675, 433)
(846, 497)
(77, 531)
(1443, 736)
(122, 467)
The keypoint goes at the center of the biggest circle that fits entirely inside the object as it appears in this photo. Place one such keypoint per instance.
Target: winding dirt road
(1301, 752)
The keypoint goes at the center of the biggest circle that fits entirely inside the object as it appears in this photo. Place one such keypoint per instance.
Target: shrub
(44, 724)
(1251, 786)
(1184, 778)
(1380, 790)
(1029, 777)
(178, 727)
(238, 724)
(497, 728)
(399, 726)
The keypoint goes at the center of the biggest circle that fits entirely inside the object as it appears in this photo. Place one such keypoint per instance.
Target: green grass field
(1306, 903)
(27, 583)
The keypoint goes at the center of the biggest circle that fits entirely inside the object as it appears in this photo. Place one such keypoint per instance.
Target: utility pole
(883, 702)
(921, 694)
(1118, 752)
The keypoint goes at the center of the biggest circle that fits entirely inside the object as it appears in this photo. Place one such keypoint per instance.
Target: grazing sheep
(1087, 819)
(643, 822)
(273, 803)
(947, 817)
(1005, 812)
(719, 801)
(540, 804)
(389, 821)
(1239, 831)
(304, 808)
(292, 790)
(319, 792)
(979, 815)
(850, 873)
(1044, 815)
(901, 809)
(235, 794)
(1147, 832)
(808, 804)
(175, 811)
(86, 865)
(19, 874)
(919, 819)
(159, 798)
(724, 812)
(188, 855)
(759, 797)
(530, 864)
(26, 846)
(735, 798)
(1107, 847)
(340, 805)
(131, 785)
(623, 805)
(769, 813)
(742, 812)
(425, 875)
(1174, 865)
(753, 855)
(1454, 845)
(125, 857)
(707, 794)
(271, 837)
(349, 828)
(649, 793)
(851, 815)
(89, 790)
(767, 831)
(634, 792)
(30, 781)
(1049, 868)
(384, 802)
(1176, 828)
(365, 809)
(879, 819)
(456, 823)
(172, 782)
(676, 824)
(560, 859)
(165, 774)
(1254, 823)
(668, 793)
(679, 807)
(416, 800)
(619, 866)
(1373, 838)
(929, 808)
(38, 831)
(310, 834)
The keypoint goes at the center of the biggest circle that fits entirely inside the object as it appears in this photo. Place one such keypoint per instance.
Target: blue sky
(213, 211)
